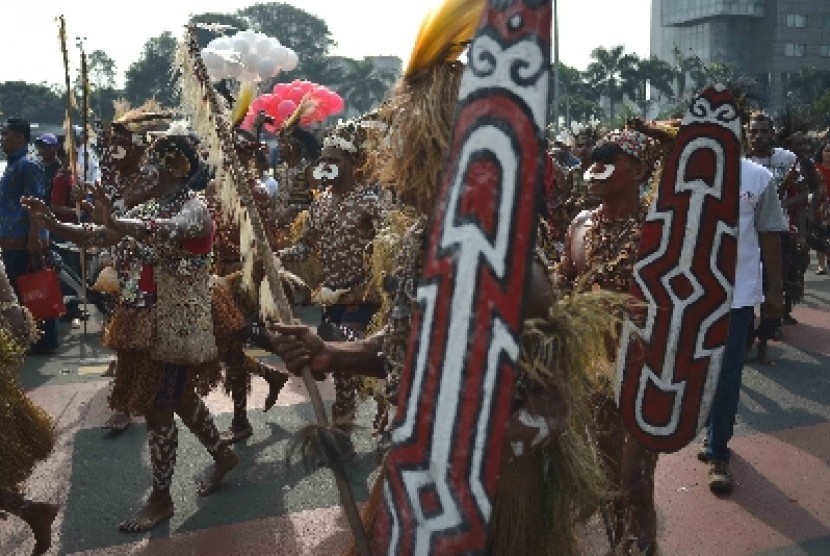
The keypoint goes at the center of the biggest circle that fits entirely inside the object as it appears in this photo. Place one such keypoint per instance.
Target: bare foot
(237, 432)
(225, 460)
(159, 507)
(117, 422)
(39, 516)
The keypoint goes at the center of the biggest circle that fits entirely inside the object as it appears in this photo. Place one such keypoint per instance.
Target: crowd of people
(348, 215)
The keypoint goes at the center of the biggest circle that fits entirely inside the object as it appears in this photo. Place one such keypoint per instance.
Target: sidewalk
(781, 505)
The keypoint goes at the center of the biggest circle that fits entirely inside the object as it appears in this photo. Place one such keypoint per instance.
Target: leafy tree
(651, 72)
(151, 76)
(577, 101)
(364, 84)
(319, 70)
(36, 103)
(102, 71)
(688, 68)
(305, 34)
(204, 36)
(607, 73)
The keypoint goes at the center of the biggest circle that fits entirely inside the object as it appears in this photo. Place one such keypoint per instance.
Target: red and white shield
(669, 360)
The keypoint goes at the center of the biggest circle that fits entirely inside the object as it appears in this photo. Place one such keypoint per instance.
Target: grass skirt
(26, 431)
(138, 378)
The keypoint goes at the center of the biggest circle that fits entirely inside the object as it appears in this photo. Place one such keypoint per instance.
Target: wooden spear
(205, 103)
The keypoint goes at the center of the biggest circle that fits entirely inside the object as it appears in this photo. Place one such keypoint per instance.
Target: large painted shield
(669, 360)
(458, 381)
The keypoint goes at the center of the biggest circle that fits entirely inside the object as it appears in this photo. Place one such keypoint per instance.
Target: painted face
(612, 172)
(325, 171)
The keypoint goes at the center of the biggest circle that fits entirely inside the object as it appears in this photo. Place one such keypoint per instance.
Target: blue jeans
(725, 404)
(17, 263)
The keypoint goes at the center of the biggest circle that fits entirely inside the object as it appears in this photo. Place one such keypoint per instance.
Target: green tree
(688, 68)
(233, 23)
(151, 76)
(36, 103)
(607, 74)
(102, 71)
(319, 70)
(364, 84)
(651, 72)
(305, 34)
(577, 101)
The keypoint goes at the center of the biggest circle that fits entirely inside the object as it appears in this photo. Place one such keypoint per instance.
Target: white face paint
(324, 171)
(590, 176)
(118, 152)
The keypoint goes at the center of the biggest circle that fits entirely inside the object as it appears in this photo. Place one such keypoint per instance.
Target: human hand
(39, 212)
(299, 346)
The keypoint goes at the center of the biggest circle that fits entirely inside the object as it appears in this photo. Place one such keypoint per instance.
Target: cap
(48, 139)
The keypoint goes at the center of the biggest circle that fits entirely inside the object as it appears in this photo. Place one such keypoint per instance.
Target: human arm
(769, 222)
(303, 247)
(191, 222)
(299, 346)
(34, 185)
(85, 235)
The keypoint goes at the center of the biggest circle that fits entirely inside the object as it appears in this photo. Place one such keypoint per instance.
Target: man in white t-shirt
(759, 225)
(782, 163)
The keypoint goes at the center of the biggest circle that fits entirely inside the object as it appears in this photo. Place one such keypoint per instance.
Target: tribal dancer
(124, 176)
(601, 249)
(244, 303)
(550, 475)
(342, 223)
(298, 149)
(165, 316)
(26, 432)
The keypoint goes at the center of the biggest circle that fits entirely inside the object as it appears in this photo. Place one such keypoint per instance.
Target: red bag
(40, 292)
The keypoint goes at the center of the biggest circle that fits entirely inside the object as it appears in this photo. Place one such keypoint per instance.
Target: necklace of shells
(611, 249)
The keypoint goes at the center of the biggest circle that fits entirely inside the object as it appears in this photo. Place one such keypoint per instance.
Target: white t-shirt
(759, 211)
(779, 163)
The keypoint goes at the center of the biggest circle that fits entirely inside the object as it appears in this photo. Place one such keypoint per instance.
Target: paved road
(781, 505)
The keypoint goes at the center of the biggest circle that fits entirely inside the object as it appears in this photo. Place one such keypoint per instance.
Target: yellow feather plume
(243, 102)
(306, 106)
(444, 34)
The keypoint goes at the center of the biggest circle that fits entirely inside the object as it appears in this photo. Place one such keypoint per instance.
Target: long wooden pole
(223, 130)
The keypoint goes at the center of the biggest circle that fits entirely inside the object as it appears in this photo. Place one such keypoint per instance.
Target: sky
(360, 27)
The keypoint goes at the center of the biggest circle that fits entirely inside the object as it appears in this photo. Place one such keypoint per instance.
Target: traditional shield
(669, 361)
(457, 386)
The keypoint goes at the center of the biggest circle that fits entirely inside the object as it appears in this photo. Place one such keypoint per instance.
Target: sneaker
(720, 478)
(76, 323)
(821, 271)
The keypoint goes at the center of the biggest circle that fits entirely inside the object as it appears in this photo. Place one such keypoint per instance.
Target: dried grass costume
(552, 484)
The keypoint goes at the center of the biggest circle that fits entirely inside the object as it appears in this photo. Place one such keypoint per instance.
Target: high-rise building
(765, 39)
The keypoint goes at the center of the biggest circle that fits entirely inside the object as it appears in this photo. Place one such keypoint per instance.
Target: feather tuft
(444, 34)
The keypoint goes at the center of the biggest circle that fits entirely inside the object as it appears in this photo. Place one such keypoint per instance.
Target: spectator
(21, 240)
(47, 148)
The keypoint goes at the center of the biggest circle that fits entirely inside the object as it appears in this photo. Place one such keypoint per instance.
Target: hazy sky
(360, 27)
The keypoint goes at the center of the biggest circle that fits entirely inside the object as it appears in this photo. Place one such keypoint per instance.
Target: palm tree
(652, 72)
(607, 74)
(688, 67)
(363, 84)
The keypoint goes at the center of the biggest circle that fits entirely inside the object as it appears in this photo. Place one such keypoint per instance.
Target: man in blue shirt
(22, 242)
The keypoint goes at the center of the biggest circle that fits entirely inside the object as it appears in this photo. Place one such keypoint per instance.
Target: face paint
(324, 171)
(117, 152)
(590, 176)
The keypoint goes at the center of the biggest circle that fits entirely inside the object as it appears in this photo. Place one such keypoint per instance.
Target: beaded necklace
(611, 249)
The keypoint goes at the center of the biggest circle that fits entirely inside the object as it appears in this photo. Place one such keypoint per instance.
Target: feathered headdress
(421, 108)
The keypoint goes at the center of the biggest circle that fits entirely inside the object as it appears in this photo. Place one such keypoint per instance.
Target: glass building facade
(766, 39)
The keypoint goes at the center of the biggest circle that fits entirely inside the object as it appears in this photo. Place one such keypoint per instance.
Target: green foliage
(608, 72)
(363, 84)
(645, 74)
(36, 103)
(305, 34)
(151, 76)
